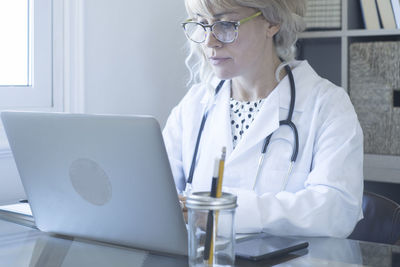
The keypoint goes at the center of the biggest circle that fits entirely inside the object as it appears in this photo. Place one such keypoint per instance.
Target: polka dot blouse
(242, 115)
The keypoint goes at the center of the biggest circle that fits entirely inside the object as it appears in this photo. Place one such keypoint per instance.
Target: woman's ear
(272, 30)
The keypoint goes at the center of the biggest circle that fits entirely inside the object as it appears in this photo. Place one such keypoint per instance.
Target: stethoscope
(287, 122)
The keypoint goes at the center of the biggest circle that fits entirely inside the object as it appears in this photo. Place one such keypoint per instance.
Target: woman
(250, 45)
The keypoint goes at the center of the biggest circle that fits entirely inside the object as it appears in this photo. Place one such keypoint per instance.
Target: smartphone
(264, 247)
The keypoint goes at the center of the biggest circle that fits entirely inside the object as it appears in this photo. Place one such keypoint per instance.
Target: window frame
(66, 65)
(40, 93)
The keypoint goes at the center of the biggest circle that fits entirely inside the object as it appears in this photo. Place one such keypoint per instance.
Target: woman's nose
(211, 41)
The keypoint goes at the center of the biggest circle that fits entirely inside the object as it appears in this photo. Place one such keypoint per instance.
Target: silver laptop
(102, 177)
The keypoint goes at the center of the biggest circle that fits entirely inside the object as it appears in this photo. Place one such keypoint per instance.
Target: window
(14, 47)
(26, 54)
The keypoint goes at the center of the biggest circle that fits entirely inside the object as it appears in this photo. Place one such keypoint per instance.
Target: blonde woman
(294, 144)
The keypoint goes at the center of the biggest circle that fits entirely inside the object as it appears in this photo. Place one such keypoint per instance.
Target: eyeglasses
(224, 31)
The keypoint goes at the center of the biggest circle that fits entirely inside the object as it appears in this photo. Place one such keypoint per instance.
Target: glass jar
(211, 229)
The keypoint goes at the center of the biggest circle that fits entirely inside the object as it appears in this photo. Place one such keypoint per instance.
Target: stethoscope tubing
(203, 122)
(288, 122)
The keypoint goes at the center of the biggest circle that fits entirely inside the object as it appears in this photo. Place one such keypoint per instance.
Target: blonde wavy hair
(288, 14)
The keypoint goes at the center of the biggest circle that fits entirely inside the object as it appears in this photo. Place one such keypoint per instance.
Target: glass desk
(23, 246)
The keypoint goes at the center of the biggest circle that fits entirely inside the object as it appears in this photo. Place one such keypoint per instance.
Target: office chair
(381, 221)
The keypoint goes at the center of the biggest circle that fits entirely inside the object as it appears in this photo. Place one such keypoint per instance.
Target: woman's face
(247, 54)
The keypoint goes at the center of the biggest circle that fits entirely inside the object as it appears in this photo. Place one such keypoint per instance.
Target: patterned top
(242, 115)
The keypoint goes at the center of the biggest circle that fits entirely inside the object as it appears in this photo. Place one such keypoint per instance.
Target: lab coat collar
(267, 119)
(265, 123)
(219, 119)
(208, 98)
(304, 79)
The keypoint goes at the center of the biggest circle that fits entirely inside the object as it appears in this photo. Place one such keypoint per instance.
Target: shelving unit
(348, 33)
(330, 47)
(328, 52)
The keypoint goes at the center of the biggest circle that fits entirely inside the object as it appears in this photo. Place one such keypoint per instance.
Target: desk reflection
(60, 251)
(21, 246)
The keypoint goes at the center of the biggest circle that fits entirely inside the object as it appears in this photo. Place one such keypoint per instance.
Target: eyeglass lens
(224, 31)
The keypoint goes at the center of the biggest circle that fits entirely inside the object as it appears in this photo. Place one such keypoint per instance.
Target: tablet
(263, 247)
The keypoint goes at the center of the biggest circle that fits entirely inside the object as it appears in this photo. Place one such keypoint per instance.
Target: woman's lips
(218, 60)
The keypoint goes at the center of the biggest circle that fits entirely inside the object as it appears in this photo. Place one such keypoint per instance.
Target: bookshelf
(327, 51)
(314, 45)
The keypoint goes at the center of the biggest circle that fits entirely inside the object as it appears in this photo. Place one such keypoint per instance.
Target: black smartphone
(263, 247)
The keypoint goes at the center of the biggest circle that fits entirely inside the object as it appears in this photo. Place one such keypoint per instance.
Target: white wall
(134, 56)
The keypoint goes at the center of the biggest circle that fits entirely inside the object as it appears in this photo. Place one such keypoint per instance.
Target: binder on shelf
(396, 12)
(370, 14)
(386, 14)
(323, 14)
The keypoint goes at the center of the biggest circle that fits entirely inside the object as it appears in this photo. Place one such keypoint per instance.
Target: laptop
(101, 177)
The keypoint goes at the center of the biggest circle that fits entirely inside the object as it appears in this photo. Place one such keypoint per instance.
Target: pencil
(221, 172)
(218, 194)
(208, 246)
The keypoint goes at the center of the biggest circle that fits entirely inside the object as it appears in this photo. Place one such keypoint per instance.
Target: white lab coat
(324, 192)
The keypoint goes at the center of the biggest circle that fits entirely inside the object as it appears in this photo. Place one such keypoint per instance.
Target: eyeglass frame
(236, 25)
